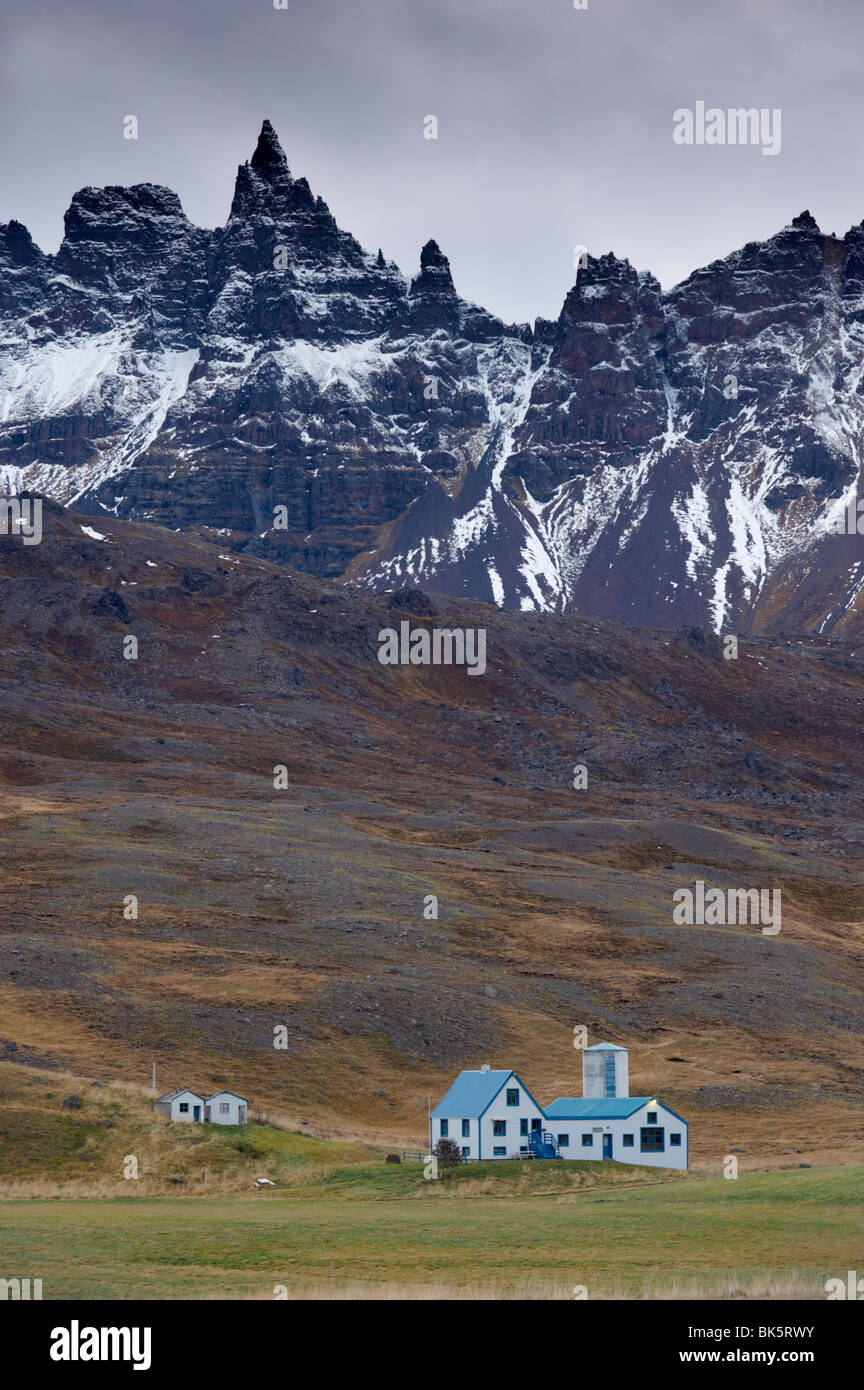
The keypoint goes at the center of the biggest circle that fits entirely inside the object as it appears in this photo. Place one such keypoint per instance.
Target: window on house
(466, 1151)
(466, 1128)
(512, 1095)
(499, 1127)
(628, 1141)
(445, 1128)
(523, 1126)
(500, 1151)
(652, 1117)
(183, 1107)
(563, 1141)
(652, 1141)
(675, 1140)
(587, 1140)
(224, 1107)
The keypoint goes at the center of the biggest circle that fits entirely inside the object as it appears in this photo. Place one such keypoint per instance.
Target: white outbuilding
(224, 1108)
(181, 1104)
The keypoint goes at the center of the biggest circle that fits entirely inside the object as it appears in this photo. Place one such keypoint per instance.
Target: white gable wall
(190, 1100)
(225, 1109)
(481, 1140)
(512, 1115)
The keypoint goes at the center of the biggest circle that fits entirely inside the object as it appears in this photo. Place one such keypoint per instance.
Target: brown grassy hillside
(304, 907)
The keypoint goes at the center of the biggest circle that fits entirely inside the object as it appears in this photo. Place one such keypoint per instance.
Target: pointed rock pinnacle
(269, 157)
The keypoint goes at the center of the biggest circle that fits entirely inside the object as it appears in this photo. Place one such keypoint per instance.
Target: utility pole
(154, 1078)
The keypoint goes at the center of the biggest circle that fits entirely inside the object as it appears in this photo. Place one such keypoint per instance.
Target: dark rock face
(657, 458)
(601, 396)
(679, 456)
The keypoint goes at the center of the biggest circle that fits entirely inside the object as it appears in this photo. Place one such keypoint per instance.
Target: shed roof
(595, 1108)
(604, 1047)
(471, 1093)
(228, 1093)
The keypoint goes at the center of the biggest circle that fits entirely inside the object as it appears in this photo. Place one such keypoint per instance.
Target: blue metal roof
(471, 1093)
(604, 1047)
(595, 1108)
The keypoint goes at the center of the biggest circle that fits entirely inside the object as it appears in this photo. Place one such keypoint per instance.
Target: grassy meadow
(764, 1234)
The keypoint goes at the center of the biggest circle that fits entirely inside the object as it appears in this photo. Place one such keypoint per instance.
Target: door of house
(206, 1114)
(607, 1145)
(196, 1112)
(241, 1114)
(536, 1126)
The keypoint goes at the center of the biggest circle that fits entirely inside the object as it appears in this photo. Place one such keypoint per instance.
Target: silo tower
(605, 1071)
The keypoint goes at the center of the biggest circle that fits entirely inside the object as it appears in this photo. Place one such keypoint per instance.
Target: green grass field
(368, 1229)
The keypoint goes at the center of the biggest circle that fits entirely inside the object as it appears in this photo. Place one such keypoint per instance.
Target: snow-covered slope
(653, 458)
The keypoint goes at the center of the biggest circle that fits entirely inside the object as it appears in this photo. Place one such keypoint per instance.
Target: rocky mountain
(658, 458)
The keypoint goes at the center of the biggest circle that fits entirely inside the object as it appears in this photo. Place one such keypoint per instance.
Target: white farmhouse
(489, 1114)
(492, 1114)
(224, 1108)
(181, 1105)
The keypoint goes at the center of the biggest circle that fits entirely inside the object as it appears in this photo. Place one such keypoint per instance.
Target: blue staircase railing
(542, 1144)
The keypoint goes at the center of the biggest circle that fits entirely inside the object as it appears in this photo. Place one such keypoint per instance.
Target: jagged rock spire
(806, 219)
(434, 272)
(269, 157)
(266, 170)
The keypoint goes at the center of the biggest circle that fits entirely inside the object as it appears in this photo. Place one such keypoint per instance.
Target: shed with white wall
(183, 1105)
(224, 1108)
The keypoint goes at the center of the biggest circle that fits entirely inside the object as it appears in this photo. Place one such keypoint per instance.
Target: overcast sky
(555, 125)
